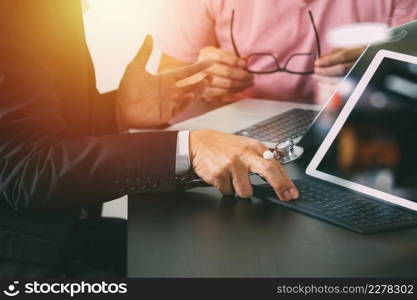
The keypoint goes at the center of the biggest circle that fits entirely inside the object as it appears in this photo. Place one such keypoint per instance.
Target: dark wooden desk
(200, 234)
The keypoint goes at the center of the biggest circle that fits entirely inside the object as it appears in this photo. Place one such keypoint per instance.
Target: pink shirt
(278, 26)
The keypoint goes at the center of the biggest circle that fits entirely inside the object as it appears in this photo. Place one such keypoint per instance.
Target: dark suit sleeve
(46, 166)
(103, 114)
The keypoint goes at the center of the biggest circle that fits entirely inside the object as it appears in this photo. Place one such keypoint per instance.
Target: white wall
(115, 30)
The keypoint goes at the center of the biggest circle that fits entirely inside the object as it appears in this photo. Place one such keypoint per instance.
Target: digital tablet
(372, 146)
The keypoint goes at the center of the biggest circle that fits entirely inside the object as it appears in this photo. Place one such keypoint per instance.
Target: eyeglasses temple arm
(231, 35)
(316, 33)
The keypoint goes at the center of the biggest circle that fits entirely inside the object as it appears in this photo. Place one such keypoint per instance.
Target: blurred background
(115, 31)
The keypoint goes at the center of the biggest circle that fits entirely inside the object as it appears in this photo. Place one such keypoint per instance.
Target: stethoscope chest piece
(286, 151)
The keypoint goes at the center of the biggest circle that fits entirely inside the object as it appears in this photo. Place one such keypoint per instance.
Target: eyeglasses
(267, 63)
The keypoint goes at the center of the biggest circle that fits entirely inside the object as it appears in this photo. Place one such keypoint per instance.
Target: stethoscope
(284, 152)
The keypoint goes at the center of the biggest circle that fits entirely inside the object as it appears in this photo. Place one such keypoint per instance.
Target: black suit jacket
(59, 146)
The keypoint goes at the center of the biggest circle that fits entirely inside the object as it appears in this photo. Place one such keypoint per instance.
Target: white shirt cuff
(182, 159)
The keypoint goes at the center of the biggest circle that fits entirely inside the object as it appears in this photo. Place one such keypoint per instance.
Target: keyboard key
(344, 207)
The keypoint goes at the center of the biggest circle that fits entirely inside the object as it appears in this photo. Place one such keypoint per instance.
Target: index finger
(225, 57)
(276, 176)
(189, 71)
(339, 57)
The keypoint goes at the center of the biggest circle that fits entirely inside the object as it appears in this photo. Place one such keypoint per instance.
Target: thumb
(142, 58)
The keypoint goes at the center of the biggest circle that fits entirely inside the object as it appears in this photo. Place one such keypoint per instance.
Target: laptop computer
(363, 175)
(291, 124)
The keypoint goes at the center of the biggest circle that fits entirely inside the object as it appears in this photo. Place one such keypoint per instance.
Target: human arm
(53, 156)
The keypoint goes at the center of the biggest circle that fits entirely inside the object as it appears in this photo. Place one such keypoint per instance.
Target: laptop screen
(377, 144)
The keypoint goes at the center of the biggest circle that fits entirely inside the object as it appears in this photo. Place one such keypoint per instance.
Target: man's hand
(338, 62)
(228, 73)
(146, 100)
(225, 160)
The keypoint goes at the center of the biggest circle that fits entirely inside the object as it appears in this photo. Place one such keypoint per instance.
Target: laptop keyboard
(290, 124)
(343, 207)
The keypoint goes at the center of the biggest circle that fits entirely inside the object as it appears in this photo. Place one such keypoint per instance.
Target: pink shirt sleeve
(404, 11)
(187, 27)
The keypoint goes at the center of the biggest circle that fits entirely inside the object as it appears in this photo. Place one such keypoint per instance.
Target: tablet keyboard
(290, 124)
(343, 207)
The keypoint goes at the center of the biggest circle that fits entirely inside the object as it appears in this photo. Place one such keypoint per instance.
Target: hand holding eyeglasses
(296, 64)
(338, 62)
(228, 74)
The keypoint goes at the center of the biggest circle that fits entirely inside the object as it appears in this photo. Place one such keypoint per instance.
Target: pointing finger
(277, 178)
(189, 71)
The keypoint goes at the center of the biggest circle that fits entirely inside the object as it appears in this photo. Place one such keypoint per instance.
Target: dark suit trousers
(96, 248)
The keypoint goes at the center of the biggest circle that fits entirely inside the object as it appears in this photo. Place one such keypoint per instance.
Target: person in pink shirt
(201, 29)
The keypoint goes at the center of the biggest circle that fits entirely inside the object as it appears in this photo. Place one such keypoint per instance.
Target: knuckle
(228, 83)
(207, 177)
(247, 84)
(217, 174)
(257, 144)
(239, 74)
(246, 75)
(343, 56)
(347, 67)
(279, 185)
(231, 161)
(220, 186)
(340, 69)
(211, 179)
(220, 71)
(212, 92)
(247, 147)
(229, 72)
(212, 69)
(267, 167)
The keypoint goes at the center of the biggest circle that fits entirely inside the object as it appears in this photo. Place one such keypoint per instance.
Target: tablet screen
(377, 145)
(318, 131)
(374, 141)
